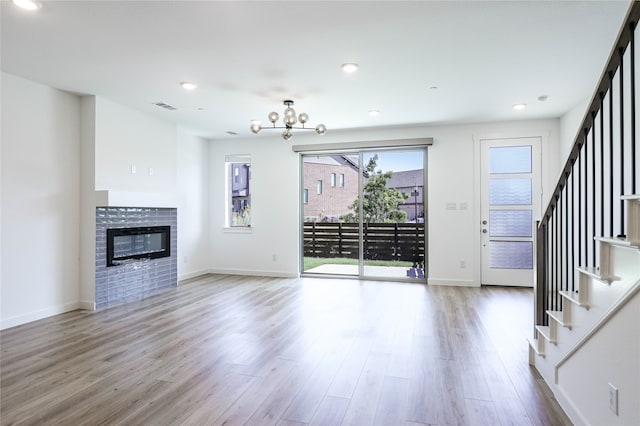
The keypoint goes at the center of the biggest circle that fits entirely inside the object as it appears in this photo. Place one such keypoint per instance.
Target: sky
(397, 161)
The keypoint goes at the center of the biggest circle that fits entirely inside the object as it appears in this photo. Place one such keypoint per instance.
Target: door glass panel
(510, 223)
(511, 255)
(510, 159)
(510, 191)
(393, 214)
(330, 236)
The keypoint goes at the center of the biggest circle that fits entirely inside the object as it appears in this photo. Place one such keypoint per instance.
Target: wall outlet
(463, 264)
(151, 171)
(185, 260)
(274, 257)
(613, 399)
(133, 169)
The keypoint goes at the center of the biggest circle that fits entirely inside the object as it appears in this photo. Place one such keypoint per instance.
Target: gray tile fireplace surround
(136, 279)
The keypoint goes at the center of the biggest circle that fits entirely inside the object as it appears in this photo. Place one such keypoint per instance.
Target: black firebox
(147, 242)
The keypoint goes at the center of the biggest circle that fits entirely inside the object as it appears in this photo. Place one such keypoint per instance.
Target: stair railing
(600, 169)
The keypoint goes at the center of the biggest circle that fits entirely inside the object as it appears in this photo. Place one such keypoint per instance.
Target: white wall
(193, 205)
(569, 124)
(453, 177)
(274, 210)
(615, 350)
(126, 137)
(40, 201)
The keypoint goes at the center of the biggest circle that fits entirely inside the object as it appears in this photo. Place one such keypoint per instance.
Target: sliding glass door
(364, 214)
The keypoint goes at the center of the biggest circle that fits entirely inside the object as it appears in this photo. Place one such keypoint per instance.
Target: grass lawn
(312, 262)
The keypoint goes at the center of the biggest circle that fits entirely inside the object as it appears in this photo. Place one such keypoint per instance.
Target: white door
(511, 202)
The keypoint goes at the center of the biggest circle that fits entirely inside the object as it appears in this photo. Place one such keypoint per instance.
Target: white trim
(237, 229)
(193, 274)
(110, 198)
(569, 407)
(37, 315)
(254, 273)
(452, 282)
(611, 312)
(341, 146)
(87, 305)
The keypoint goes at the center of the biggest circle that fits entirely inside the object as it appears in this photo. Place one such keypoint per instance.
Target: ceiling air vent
(165, 106)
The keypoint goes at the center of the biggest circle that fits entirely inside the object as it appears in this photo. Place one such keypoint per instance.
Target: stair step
(622, 242)
(545, 331)
(594, 273)
(534, 344)
(630, 197)
(558, 316)
(574, 297)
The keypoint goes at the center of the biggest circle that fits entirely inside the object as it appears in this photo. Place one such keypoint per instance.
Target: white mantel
(110, 198)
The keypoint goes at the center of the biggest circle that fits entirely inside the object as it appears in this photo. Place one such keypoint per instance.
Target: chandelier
(289, 121)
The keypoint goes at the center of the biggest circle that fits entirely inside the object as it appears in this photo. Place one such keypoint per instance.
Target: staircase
(586, 342)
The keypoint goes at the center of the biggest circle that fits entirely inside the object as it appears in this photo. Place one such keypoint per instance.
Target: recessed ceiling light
(543, 98)
(349, 67)
(201, 109)
(433, 87)
(519, 106)
(28, 4)
(188, 85)
(232, 133)
(374, 112)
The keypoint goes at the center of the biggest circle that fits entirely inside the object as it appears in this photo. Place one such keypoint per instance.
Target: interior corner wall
(40, 201)
(87, 202)
(452, 172)
(193, 208)
(126, 138)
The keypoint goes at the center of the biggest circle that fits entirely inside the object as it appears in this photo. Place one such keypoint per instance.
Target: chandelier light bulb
(256, 126)
(321, 129)
(289, 119)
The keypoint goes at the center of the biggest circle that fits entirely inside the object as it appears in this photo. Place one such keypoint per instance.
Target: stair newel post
(540, 282)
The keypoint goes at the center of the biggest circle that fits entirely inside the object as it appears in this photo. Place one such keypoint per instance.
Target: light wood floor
(245, 350)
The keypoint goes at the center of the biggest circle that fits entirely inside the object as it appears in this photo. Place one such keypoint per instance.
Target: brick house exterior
(330, 185)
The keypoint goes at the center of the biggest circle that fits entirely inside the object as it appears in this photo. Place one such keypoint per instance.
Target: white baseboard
(257, 273)
(567, 405)
(452, 283)
(87, 305)
(193, 274)
(37, 315)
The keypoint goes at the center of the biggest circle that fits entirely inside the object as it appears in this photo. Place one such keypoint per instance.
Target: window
(238, 191)
(319, 187)
(341, 180)
(333, 179)
(305, 196)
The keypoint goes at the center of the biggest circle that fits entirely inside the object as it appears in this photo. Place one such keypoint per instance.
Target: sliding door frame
(359, 148)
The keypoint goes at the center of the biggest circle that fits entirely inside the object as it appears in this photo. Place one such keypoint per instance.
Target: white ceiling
(247, 57)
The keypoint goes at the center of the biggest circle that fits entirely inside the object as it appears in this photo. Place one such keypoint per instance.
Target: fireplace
(148, 242)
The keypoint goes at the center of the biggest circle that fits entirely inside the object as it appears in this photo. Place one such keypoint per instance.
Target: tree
(380, 204)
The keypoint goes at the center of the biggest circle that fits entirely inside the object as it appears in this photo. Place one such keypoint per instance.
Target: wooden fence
(381, 241)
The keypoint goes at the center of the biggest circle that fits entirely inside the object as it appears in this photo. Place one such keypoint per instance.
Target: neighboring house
(240, 193)
(408, 182)
(330, 186)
